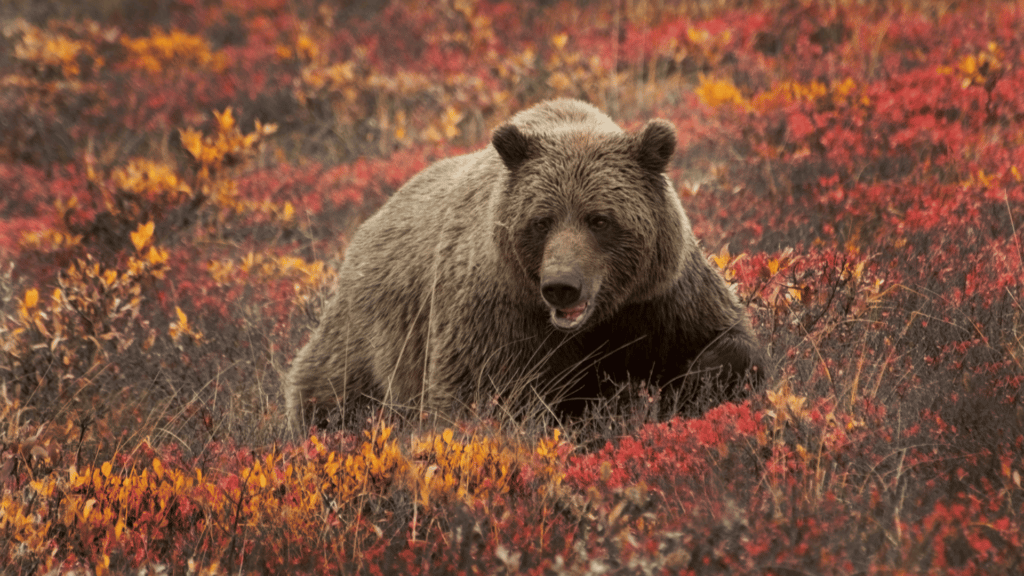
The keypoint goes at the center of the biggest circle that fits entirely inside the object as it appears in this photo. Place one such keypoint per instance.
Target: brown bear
(557, 262)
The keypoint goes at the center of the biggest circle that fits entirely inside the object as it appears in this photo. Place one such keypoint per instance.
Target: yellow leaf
(447, 435)
(119, 528)
(773, 266)
(142, 235)
(289, 212)
(192, 140)
(225, 120)
(559, 40)
(31, 298)
(156, 256)
(722, 258)
(697, 36)
(182, 318)
(305, 46)
(968, 65)
(87, 509)
(248, 262)
(109, 277)
(559, 81)
(714, 93)
(105, 469)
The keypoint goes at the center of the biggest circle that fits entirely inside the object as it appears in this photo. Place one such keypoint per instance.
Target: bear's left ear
(655, 144)
(512, 145)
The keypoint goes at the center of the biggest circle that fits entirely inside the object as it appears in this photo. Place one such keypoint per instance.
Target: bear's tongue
(573, 313)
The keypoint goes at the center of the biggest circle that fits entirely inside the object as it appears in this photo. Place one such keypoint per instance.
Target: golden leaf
(192, 140)
(559, 81)
(142, 235)
(451, 122)
(559, 40)
(248, 262)
(305, 46)
(788, 404)
(968, 65)
(722, 258)
(714, 93)
(156, 256)
(225, 120)
(87, 509)
(31, 298)
(697, 36)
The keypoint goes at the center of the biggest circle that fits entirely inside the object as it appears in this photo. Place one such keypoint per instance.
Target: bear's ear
(512, 145)
(655, 145)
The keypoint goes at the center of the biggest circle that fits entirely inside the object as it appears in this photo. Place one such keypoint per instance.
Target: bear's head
(587, 218)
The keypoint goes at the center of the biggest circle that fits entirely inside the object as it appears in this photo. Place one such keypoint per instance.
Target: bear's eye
(598, 222)
(541, 225)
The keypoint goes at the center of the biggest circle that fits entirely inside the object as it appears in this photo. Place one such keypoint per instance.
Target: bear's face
(588, 219)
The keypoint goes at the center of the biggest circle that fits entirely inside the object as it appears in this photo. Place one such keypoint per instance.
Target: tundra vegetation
(179, 179)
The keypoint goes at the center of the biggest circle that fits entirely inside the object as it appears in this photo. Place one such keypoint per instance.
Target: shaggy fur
(558, 257)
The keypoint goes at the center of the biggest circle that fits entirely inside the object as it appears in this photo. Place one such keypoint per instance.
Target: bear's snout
(564, 293)
(570, 277)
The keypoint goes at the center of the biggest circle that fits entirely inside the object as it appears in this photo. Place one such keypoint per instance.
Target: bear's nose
(561, 292)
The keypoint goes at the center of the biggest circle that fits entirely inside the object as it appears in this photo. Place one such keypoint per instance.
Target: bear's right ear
(512, 145)
(655, 145)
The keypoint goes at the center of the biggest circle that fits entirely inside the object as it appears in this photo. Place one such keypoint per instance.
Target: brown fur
(561, 246)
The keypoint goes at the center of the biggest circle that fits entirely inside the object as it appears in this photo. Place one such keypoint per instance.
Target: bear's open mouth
(569, 318)
(572, 314)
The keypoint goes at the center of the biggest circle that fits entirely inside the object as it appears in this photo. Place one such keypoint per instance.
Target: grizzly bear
(557, 262)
